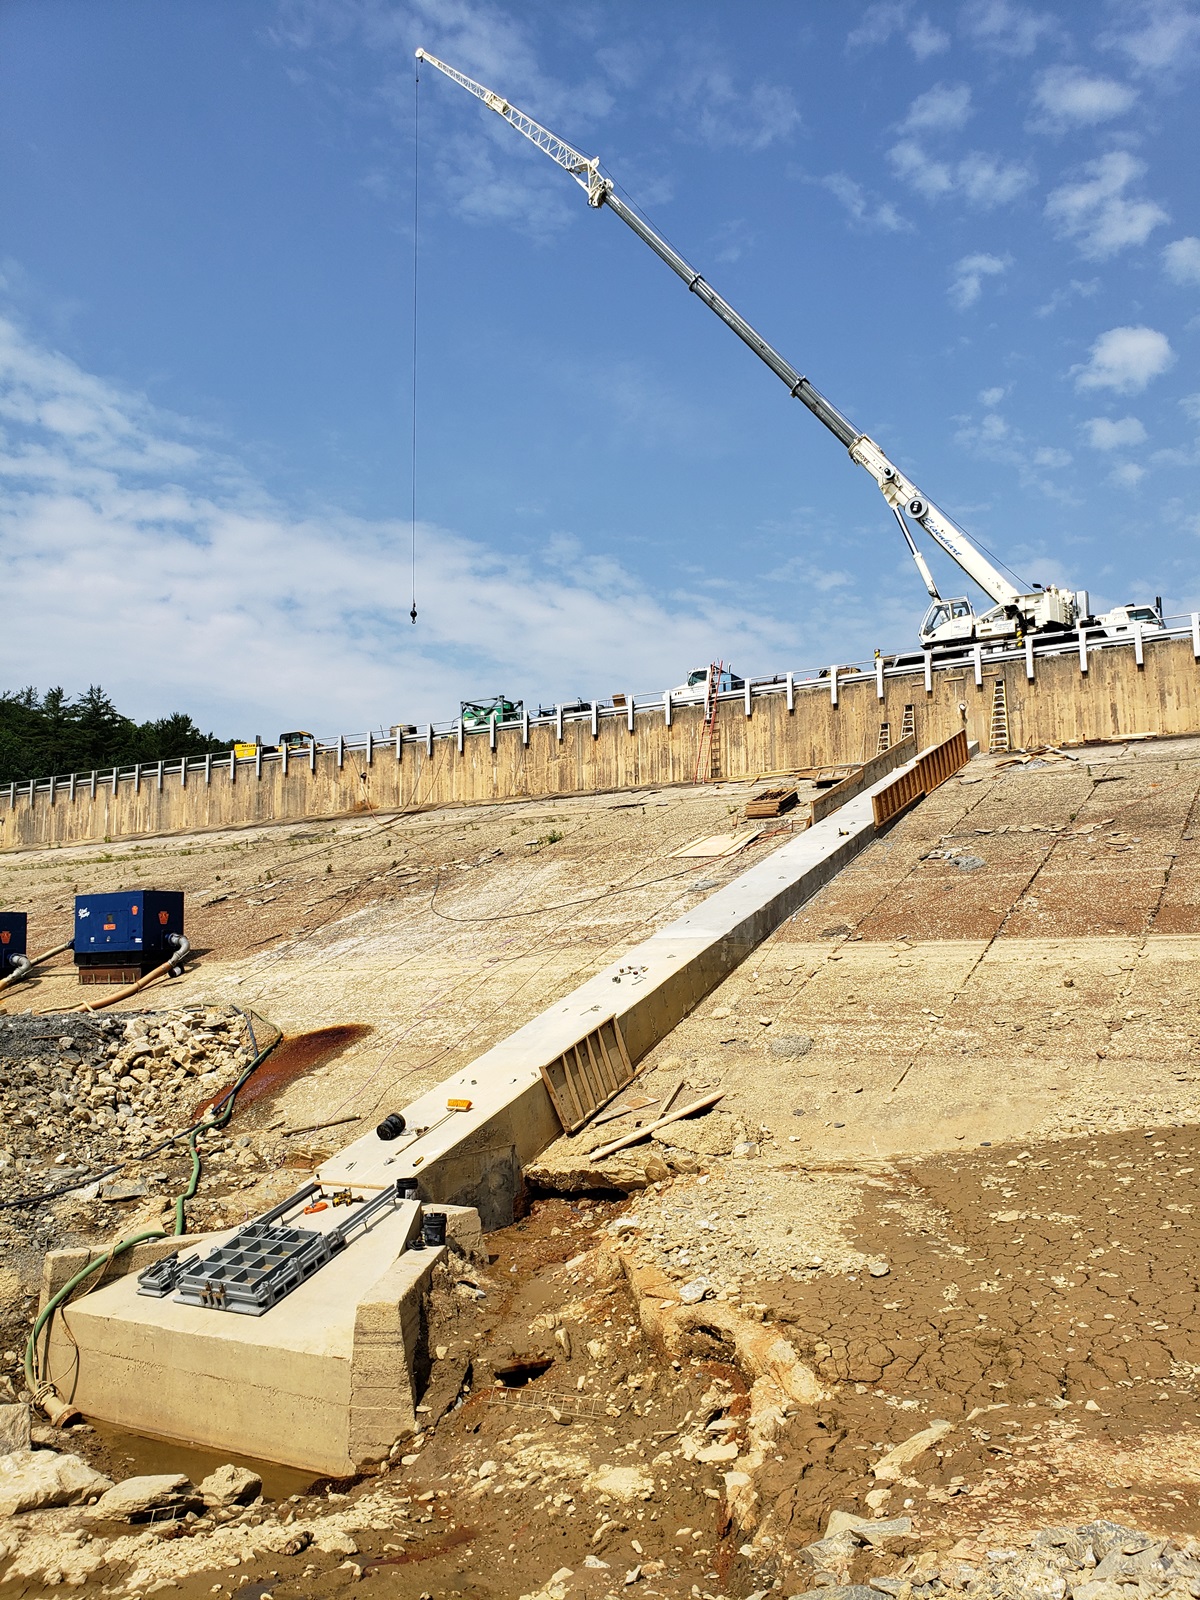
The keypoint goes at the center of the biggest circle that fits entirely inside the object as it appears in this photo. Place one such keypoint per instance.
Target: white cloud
(1191, 407)
(118, 522)
(1158, 36)
(991, 398)
(946, 106)
(1067, 97)
(1075, 289)
(1096, 211)
(1128, 475)
(1108, 433)
(1049, 456)
(889, 17)
(983, 181)
(863, 207)
(1125, 360)
(1011, 30)
(1181, 261)
(966, 285)
(726, 114)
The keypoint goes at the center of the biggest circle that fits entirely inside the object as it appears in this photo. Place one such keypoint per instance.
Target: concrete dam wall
(1076, 695)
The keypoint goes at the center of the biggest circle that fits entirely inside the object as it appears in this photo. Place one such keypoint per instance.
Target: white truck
(1015, 610)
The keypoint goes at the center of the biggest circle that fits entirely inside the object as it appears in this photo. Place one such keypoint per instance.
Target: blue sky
(973, 225)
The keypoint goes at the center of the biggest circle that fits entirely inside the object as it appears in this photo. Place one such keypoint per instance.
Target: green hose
(41, 1389)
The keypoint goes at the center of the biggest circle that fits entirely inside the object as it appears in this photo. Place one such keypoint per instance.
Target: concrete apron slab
(476, 1157)
(326, 1380)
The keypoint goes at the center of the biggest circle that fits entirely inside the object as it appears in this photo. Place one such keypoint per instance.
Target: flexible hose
(45, 1395)
(15, 977)
(181, 952)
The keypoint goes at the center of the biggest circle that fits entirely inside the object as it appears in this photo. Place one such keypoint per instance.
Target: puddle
(291, 1058)
(130, 1455)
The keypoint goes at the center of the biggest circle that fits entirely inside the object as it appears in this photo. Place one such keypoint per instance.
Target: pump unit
(121, 937)
(13, 940)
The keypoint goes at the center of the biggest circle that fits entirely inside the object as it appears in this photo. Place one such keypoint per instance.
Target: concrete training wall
(832, 721)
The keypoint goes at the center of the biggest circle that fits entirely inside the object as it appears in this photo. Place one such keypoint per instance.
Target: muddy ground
(952, 1171)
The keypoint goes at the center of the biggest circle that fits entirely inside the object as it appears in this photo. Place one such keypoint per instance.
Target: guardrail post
(399, 743)
(491, 733)
(233, 767)
(370, 749)
(137, 777)
(525, 729)
(71, 795)
(258, 761)
(1138, 652)
(879, 678)
(749, 707)
(93, 785)
(53, 781)
(1196, 635)
(791, 692)
(429, 738)
(833, 686)
(595, 719)
(979, 666)
(1029, 657)
(312, 756)
(116, 778)
(341, 751)
(667, 708)
(283, 759)
(160, 776)
(558, 721)
(31, 791)
(629, 712)
(183, 772)
(1082, 651)
(928, 672)
(461, 735)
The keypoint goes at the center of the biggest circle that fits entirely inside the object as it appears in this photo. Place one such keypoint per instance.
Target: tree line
(44, 735)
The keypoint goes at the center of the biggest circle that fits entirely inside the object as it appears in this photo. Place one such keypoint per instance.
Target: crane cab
(948, 622)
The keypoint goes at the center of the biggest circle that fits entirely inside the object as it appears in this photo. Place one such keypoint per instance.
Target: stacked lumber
(770, 803)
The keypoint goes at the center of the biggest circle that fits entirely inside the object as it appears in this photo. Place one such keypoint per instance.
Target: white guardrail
(817, 680)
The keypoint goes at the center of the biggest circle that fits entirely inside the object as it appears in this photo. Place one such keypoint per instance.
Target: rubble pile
(86, 1089)
(1096, 1561)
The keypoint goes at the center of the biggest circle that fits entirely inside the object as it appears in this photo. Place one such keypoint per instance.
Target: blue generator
(14, 939)
(121, 937)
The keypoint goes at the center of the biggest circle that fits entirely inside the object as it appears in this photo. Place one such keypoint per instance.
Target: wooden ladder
(909, 725)
(884, 741)
(998, 734)
(708, 757)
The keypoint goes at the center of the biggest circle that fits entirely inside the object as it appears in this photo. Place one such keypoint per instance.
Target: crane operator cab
(948, 622)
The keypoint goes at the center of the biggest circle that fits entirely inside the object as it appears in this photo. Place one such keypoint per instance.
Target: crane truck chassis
(951, 622)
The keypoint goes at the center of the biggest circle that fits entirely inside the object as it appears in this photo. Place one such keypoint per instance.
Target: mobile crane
(947, 622)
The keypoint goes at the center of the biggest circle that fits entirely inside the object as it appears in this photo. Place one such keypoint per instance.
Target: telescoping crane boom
(947, 621)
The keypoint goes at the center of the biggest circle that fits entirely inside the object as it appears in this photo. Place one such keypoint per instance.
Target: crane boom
(1036, 609)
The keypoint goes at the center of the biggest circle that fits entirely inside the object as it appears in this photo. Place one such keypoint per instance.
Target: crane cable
(413, 462)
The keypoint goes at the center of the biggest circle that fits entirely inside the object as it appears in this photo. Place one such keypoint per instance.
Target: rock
(879, 1269)
(334, 1542)
(14, 1429)
(31, 1479)
(138, 1497)
(698, 1289)
(123, 1189)
(656, 1169)
(790, 1045)
(838, 1591)
(969, 863)
(232, 1486)
(890, 1466)
(744, 1149)
(870, 1530)
(594, 1561)
(622, 1483)
(718, 1452)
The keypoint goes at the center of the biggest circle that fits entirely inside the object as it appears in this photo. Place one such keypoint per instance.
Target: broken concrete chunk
(890, 1466)
(871, 1530)
(334, 1542)
(232, 1486)
(698, 1289)
(14, 1429)
(31, 1479)
(138, 1497)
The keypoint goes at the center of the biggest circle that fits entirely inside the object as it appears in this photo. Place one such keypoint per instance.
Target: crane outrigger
(948, 621)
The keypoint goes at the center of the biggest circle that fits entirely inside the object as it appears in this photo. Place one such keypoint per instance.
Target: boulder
(231, 1486)
(14, 1429)
(31, 1479)
(134, 1498)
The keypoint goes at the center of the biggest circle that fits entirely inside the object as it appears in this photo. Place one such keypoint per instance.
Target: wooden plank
(644, 1133)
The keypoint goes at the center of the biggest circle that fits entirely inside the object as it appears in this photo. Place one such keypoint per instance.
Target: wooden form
(932, 767)
(588, 1075)
(651, 1127)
